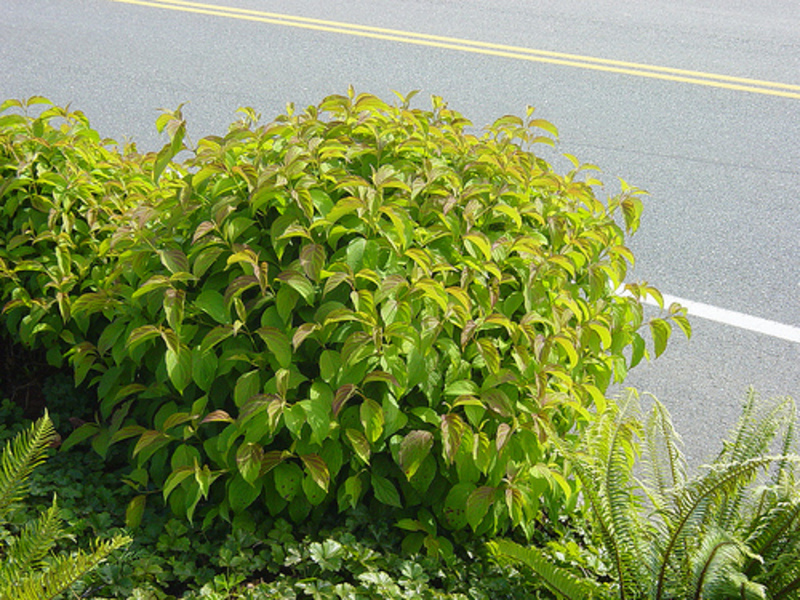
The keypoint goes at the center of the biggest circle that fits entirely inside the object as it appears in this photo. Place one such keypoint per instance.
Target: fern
(20, 457)
(726, 533)
(557, 579)
(28, 570)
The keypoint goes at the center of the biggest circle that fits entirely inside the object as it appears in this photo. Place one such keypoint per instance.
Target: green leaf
(242, 494)
(684, 325)
(359, 443)
(416, 445)
(317, 469)
(455, 505)
(372, 419)
(212, 303)
(278, 344)
(660, 330)
(248, 460)
(288, 479)
(150, 442)
(463, 387)
(177, 477)
(479, 242)
(478, 504)
(299, 283)
(82, 433)
(312, 259)
(247, 386)
(174, 260)
(142, 334)
(179, 368)
(343, 394)
(135, 511)
(204, 368)
(385, 492)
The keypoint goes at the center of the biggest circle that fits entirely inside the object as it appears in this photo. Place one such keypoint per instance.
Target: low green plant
(732, 531)
(28, 569)
(359, 303)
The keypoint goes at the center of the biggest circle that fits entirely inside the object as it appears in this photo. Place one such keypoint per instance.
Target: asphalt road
(721, 226)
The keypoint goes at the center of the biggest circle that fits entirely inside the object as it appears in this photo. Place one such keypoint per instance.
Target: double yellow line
(515, 52)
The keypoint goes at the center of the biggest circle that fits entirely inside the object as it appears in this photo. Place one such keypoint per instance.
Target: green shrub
(725, 533)
(28, 570)
(355, 304)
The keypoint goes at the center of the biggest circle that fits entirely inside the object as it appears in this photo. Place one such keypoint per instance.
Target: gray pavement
(721, 226)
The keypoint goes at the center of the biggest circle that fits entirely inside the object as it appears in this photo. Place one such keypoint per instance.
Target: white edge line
(730, 317)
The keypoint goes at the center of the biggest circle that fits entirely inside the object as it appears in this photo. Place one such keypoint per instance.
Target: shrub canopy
(356, 303)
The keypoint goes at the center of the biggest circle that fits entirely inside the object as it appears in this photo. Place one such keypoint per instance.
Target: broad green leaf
(204, 368)
(174, 260)
(288, 478)
(478, 504)
(295, 417)
(319, 410)
(479, 241)
(299, 283)
(452, 430)
(385, 492)
(463, 387)
(683, 323)
(455, 506)
(142, 334)
(82, 433)
(312, 259)
(317, 469)
(212, 303)
(359, 443)
(568, 347)
(135, 511)
(372, 419)
(278, 344)
(660, 330)
(149, 442)
(179, 368)
(248, 460)
(242, 494)
(343, 394)
(416, 445)
(177, 477)
(218, 416)
(247, 386)
(312, 491)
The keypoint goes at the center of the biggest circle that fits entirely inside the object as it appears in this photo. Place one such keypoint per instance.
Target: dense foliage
(358, 303)
(732, 531)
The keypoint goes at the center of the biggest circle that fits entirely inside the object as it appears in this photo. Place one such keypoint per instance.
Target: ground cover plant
(28, 568)
(732, 531)
(354, 305)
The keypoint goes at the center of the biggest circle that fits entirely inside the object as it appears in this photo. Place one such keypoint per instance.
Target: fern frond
(777, 530)
(718, 569)
(785, 475)
(758, 430)
(604, 466)
(26, 551)
(695, 502)
(620, 502)
(20, 456)
(663, 462)
(790, 591)
(781, 570)
(61, 573)
(558, 580)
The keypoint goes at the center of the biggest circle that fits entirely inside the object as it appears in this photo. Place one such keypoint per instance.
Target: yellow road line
(463, 45)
